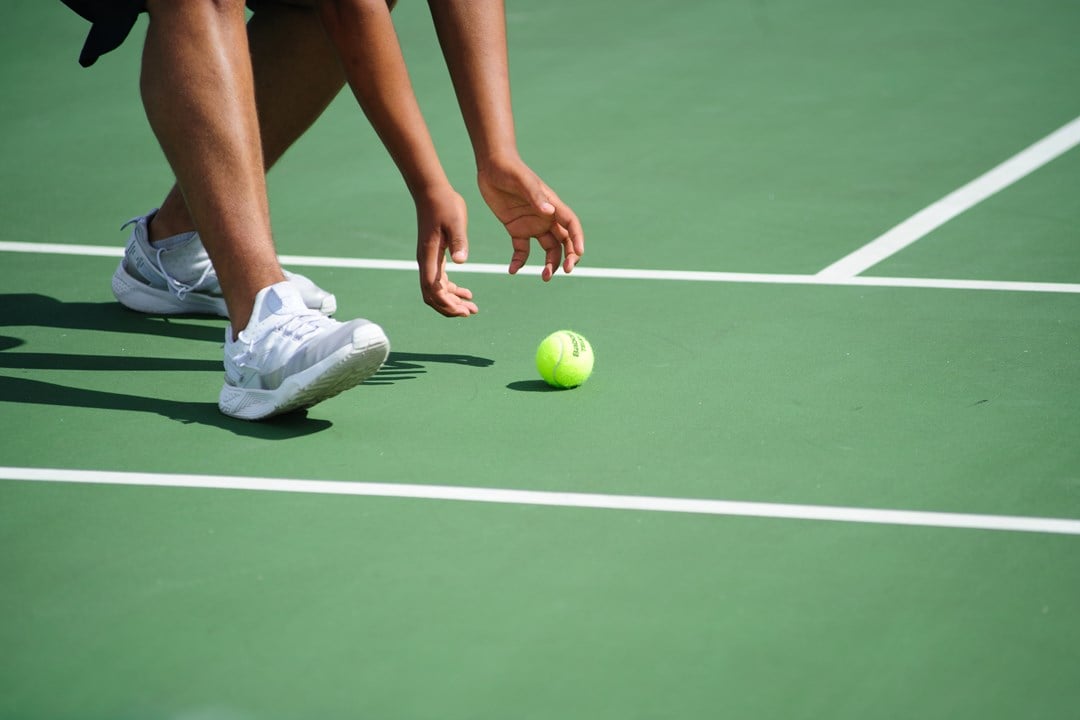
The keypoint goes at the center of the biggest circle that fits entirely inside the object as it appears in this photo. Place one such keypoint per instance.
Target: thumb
(458, 241)
(540, 200)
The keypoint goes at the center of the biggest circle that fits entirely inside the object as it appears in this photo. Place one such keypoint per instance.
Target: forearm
(364, 36)
(472, 34)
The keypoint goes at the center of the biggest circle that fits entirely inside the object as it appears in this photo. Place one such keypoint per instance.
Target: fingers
(458, 237)
(442, 295)
(552, 255)
(528, 208)
(566, 229)
(565, 217)
(521, 253)
(451, 303)
(449, 299)
(570, 256)
(558, 248)
(462, 292)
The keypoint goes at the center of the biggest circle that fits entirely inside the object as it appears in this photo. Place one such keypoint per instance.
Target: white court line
(62, 249)
(1058, 526)
(930, 218)
(607, 273)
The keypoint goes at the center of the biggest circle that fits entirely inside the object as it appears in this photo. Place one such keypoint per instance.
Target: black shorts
(111, 20)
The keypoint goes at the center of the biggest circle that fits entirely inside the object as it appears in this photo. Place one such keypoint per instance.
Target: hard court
(828, 464)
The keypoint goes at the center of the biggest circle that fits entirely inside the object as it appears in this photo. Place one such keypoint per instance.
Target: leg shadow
(37, 392)
(71, 361)
(23, 309)
(30, 309)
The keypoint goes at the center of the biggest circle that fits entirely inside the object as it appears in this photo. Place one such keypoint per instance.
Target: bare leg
(297, 75)
(199, 96)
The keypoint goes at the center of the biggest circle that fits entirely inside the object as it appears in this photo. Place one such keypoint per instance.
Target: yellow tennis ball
(564, 359)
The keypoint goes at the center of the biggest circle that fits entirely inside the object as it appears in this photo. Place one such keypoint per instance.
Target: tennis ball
(564, 359)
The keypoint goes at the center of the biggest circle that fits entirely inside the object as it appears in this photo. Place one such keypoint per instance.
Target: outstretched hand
(530, 209)
(441, 219)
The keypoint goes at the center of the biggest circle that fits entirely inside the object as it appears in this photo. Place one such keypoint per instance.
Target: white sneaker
(290, 356)
(175, 277)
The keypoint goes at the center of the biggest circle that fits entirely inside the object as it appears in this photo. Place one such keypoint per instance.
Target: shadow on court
(44, 311)
(536, 386)
(21, 309)
(37, 392)
(71, 361)
(409, 365)
(29, 309)
(400, 366)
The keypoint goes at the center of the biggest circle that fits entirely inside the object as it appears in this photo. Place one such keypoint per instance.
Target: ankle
(241, 300)
(167, 223)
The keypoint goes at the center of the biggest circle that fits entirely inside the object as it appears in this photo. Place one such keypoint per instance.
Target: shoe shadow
(28, 309)
(38, 392)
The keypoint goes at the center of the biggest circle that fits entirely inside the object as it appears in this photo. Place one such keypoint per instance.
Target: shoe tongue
(279, 299)
(184, 259)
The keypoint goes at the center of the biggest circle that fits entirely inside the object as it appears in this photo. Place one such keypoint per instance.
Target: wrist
(428, 186)
(500, 158)
(432, 194)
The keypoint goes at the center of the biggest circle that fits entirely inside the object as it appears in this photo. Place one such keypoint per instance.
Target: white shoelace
(294, 327)
(181, 289)
(300, 326)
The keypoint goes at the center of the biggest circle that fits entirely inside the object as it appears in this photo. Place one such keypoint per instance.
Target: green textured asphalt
(1033, 228)
(134, 603)
(920, 399)
(753, 137)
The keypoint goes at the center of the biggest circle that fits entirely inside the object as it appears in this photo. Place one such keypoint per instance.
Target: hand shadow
(408, 365)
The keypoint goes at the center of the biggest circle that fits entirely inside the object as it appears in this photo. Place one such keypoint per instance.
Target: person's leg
(199, 94)
(297, 74)
(198, 91)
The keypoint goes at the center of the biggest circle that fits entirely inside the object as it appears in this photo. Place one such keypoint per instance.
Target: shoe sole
(140, 297)
(346, 368)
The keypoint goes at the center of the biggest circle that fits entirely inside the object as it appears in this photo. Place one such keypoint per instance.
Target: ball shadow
(535, 386)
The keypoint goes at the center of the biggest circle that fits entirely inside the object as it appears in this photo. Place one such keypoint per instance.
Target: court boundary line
(959, 201)
(730, 508)
(606, 273)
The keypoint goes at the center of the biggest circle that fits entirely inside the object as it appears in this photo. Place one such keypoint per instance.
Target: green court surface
(854, 451)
